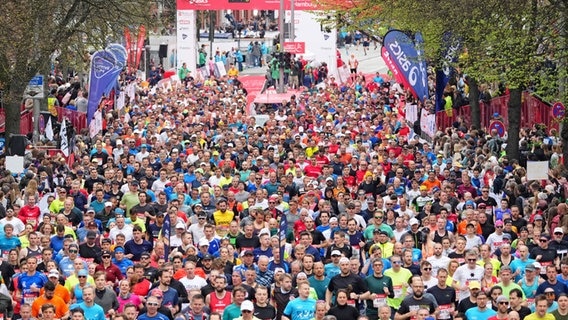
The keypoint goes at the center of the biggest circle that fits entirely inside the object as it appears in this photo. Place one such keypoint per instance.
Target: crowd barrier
(533, 111)
(77, 119)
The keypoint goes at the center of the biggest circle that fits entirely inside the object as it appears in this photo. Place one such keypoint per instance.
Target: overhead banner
(451, 47)
(242, 5)
(106, 66)
(409, 60)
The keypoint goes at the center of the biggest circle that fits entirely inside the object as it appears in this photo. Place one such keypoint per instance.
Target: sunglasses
(471, 260)
(504, 302)
(378, 217)
(153, 304)
(106, 257)
(427, 269)
(81, 276)
(73, 251)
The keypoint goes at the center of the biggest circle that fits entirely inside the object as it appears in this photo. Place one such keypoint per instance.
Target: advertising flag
(451, 47)
(166, 232)
(283, 230)
(408, 58)
(105, 69)
(63, 136)
(128, 47)
(140, 45)
(49, 130)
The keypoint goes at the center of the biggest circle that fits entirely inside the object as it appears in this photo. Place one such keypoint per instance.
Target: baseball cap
(502, 299)
(329, 179)
(537, 265)
(423, 188)
(335, 253)
(538, 217)
(344, 260)
(108, 204)
(549, 289)
(413, 221)
(530, 267)
(247, 306)
(506, 236)
(53, 273)
(180, 225)
(90, 210)
(558, 230)
(247, 253)
(498, 223)
(144, 254)
(105, 253)
(91, 235)
(203, 242)
(73, 245)
(474, 285)
(157, 293)
(82, 273)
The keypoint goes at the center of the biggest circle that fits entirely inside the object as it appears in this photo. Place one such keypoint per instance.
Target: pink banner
(242, 5)
(128, 47)
(140, 45)
(295, 47)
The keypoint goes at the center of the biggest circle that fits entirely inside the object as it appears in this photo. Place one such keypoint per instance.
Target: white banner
(186, 39)
(428, 123)
(411, 113)
(537, 170)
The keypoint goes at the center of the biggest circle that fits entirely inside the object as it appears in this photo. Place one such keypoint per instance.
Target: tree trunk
(474, 103)
(514, 109)
(12, 108)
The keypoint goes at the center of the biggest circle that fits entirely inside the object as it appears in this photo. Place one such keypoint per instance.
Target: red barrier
(77, 119)
(26, 122)
(533, 110)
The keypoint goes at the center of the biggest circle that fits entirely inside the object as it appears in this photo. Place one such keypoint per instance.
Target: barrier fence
(77, 119)
(533, 111)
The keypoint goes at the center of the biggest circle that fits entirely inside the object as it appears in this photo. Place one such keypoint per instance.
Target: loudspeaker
(18, 143)
(163, 52)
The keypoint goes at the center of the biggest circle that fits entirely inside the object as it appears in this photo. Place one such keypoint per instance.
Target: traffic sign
(34, 89)
(558, 110)
(499, 126)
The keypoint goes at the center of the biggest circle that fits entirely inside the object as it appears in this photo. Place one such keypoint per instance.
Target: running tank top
(529, 290)
(219, 305)
(35, 253)
(437, 237)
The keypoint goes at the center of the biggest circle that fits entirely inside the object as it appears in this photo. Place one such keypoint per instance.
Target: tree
(34, 30)
(506, 41)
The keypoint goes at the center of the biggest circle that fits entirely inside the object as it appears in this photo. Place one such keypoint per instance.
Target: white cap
(336, 253)
(413, 221)
(180, 225)
(118, 141)
(558, 229)
(537, 265)
(344, 260)
(108, 204)
(247, 305)
(203, 242)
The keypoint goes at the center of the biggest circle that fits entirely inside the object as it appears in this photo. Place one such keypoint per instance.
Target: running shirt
(28, 284)
(300, 309)
(219, 304)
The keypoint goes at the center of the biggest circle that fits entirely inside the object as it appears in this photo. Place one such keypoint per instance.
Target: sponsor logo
(102, 67)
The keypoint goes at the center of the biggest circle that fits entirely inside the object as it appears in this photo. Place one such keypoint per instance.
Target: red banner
(295, 47)
(140, 45)
(243, 5)
(128, 47)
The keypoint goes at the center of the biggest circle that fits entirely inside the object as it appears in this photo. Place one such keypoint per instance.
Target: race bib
(351, 303)
(29, 297)
(446, 311)
(380, 300)
(397, 291)
(544, 265)
(530, 303)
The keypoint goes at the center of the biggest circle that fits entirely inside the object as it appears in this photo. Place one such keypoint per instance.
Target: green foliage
(35, 32)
